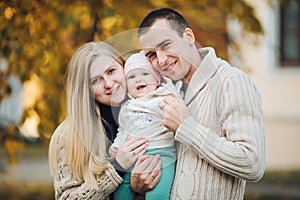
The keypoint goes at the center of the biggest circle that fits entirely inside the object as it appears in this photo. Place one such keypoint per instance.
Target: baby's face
(140, 82)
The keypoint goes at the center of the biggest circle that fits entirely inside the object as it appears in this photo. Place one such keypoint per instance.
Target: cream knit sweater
(67, 187)
(142, 118)
(222, 145)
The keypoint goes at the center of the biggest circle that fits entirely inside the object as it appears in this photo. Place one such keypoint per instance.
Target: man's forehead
(155, 36)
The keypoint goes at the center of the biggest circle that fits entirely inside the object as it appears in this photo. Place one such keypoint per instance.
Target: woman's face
(107, 81)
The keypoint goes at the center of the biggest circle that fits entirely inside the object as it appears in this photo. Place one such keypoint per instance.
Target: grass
(275, 185)
(26, 191)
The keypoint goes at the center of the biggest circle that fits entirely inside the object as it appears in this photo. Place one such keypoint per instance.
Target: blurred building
(12, 105)
(273, 62)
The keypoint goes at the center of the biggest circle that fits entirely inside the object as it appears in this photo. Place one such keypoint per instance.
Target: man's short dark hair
(176, 20)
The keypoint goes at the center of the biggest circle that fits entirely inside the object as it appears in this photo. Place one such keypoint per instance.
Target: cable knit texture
(67, 187)
(221, 146)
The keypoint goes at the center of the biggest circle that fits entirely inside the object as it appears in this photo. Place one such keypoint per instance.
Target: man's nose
(161, 57)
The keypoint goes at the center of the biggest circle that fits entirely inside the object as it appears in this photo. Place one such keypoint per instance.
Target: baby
(141, 117)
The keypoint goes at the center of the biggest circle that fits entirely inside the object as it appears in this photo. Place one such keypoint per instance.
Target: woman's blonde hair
(86, 138)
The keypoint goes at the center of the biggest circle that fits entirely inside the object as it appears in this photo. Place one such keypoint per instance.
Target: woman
(78, 149)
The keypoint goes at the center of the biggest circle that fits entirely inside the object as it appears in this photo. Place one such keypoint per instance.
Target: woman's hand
(128, 153)
(146, 173)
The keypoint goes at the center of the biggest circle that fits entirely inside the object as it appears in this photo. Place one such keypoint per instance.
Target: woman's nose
(108, 83)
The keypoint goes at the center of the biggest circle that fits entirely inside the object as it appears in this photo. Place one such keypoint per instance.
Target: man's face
(169, 53)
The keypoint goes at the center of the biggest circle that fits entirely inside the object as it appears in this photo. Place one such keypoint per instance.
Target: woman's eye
(95, 81)
(111, 71)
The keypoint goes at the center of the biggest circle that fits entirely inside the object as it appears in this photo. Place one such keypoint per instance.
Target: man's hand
(175, 112)
(146, 173)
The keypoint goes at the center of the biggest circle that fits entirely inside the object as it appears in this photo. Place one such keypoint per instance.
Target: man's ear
(189, 34)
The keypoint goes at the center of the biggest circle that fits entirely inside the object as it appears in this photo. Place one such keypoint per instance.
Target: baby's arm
(119, 140)
(113, 150)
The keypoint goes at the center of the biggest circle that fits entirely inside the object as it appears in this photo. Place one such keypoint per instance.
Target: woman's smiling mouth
(111, 92)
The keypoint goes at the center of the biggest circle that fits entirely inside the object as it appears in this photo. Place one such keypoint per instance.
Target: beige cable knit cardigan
(222, 145)
(67, 187)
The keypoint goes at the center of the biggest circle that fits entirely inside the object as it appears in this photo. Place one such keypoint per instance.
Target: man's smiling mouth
(170, 67)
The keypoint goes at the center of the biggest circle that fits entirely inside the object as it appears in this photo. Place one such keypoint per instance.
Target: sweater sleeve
(67, 187)
(239, 148)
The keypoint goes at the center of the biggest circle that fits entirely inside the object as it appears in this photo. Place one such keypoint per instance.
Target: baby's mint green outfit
(162, 190)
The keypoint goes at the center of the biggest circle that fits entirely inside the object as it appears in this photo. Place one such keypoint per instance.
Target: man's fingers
(155, 180)
(141, 164)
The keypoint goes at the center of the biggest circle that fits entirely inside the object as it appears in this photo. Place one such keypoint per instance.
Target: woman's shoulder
(59, 133)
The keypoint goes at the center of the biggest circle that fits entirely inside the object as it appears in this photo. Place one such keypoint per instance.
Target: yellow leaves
(161, 3)
(10, 129)
(85, 20)
(31, 50)
(109, 22)
(9, 12)
(12, 146)
(46, 57)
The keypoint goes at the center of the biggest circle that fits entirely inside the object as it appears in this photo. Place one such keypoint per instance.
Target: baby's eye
(145, 73)
(131, 77)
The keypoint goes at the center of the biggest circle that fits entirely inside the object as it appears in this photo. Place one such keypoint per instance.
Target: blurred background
(38, 37)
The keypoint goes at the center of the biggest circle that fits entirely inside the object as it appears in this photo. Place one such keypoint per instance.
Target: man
(218, 126)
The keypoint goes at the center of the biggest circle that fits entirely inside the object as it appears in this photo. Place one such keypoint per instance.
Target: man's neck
(195, 65)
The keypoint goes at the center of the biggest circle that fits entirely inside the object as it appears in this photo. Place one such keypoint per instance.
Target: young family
(128, 133)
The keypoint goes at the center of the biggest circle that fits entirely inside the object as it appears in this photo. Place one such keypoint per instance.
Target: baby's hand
(113, 152)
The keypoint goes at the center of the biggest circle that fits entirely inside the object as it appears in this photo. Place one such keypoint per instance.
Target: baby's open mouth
(141, 87)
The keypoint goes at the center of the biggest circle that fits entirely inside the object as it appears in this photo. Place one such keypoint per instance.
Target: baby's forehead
(138, 70)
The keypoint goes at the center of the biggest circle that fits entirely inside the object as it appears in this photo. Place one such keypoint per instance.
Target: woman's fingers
(140, 149)
(131, 144)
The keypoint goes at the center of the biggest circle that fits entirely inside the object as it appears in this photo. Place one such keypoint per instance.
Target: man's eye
(151, 55)
(165, 46)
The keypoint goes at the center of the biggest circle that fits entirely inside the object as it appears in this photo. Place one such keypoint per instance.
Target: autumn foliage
(38, 38)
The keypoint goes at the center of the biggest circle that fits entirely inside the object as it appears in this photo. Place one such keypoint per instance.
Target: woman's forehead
(101, 64)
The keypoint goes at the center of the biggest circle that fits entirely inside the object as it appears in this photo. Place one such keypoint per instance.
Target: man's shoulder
(227, 71)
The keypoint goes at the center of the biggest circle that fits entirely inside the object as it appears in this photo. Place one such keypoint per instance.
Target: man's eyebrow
(157, 46)
(162, 43)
